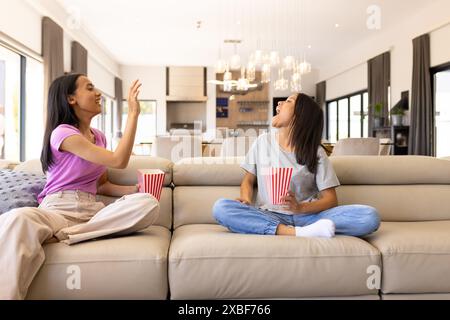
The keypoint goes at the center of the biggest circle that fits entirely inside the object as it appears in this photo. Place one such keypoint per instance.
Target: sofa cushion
(208, 171)
(129, 267)
(390, 170)
(416, 256)
(31, 166)
(128, 176)
(209, 262)
(399, 203)
(6, 164)
(193, 205)
(19, 189)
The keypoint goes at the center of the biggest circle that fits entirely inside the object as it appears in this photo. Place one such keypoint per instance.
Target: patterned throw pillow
(19, 189)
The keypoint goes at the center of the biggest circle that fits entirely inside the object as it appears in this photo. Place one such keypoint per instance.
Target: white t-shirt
(266, 153)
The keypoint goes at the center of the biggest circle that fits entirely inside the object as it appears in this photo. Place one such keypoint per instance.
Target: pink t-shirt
(70, 172)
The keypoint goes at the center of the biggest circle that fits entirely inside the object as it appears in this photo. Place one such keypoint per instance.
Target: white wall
(153, 88)
(433, 18)
(22, 21)
(440, 46)
(100, 77)
(348, 82)
(153, 80)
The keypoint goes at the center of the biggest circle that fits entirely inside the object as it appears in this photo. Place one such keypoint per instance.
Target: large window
(442, 112)
(10, 71)
(146, 129)
(104, 121)
(21, 106)
(34, 109)
(347, 117)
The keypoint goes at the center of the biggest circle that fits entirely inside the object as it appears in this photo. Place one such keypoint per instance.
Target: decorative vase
(397, 120)
(377, 122)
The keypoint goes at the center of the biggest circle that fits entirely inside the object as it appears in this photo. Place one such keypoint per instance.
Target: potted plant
(378, 114)
(397, 114)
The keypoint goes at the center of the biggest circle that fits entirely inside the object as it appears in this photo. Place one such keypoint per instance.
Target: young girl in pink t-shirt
(75, 160)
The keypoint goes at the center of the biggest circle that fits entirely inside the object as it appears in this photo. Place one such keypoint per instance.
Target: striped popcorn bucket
(278, 181)
(151, 181)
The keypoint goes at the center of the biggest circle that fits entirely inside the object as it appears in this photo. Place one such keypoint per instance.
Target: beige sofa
(132, 267)
(202, 260)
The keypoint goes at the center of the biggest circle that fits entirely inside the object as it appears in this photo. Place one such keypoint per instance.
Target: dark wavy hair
(306, 131)
(58, 112)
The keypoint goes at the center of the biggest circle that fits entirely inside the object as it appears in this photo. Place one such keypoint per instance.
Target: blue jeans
(351, 220)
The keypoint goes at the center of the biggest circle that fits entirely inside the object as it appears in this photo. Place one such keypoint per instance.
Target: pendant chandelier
(283, 56)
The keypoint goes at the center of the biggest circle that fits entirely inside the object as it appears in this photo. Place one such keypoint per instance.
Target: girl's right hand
(243, 201)
(134, 107)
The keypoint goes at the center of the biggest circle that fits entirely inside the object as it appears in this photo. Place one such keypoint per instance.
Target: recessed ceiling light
(238, 22)
(309, 46)
(337, 25)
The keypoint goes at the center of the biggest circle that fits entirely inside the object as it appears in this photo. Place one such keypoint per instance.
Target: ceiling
(165, 32)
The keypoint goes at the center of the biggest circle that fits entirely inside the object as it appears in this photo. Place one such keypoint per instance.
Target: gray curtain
(119, 108)
(52, 53)
(379, 80)
(79, 58)
(422, 118)
(321, 92)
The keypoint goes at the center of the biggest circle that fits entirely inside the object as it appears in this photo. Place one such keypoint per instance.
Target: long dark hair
(306, 131)
(58, 112)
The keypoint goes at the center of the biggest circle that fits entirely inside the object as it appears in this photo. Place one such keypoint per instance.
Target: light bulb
(235, 62)
(288, 62)
(265, 73)
(258, 57)
(220, 66)
(274, 58)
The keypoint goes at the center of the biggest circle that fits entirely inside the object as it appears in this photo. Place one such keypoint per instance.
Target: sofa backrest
(128, 176)
(408, 188)
(199, 182)
(402, 188)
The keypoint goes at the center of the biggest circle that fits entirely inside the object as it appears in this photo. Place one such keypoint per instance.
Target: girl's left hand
(291, 203)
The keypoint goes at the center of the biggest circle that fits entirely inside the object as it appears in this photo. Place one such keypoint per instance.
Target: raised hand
(134, 107)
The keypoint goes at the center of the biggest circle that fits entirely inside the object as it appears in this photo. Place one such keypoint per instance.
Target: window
(104, 121)
(10, 71)
(34, 109)
(365, 115)
(332, 121)
(442, 111)
(21, 106)
(146, 129)
(343, 118)
(347, 117)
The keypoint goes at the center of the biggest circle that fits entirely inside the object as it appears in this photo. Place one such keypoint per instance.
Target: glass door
(442, 112)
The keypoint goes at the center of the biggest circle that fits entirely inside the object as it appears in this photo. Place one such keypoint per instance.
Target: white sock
(323, 228)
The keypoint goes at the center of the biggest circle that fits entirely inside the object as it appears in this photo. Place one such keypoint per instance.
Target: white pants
(67, 216)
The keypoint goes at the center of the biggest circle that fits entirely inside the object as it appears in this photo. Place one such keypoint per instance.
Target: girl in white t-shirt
(310, 209)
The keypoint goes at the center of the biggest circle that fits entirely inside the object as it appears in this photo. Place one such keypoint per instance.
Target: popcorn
(151, 181)
(278, 181)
